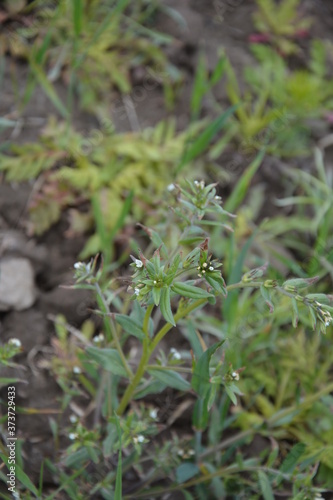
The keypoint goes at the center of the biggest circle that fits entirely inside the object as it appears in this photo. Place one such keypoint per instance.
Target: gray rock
(17, 285)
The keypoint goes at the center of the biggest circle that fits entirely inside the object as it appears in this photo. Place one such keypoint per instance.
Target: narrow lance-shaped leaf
(156, 295)
(109, 359)
(129, 325)
(203, 141)
(200, 413)
(190, 291)
(267, 297)
(201, 377)
(165, 306)
(295, 314)
(217, 283)
(170, 378)
(291, 460)
(265, 486)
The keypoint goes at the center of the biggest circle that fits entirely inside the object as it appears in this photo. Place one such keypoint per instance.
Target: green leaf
(165, 306)
(170, 378)
(21, 476)
(230, 304)
(200, 416)
(156, 295)
(218, 70)
(109, 359)
(201, 376)
(190, 291)
(130, 325)
(7, 381)
(265, 486)
(204, 139)
(267, 298)
(77, 16)
(187, 495)
(242, 186)
(48, 88)
(294, 312)
(291, 460)
(231, 394)
(186, 471)
(217, 283)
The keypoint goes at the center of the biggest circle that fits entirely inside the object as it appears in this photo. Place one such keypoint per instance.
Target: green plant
(8, 351)
(100, 168)
(307, 235)
(276, 108)
(75, 40)
(281, 22)
(169, 290)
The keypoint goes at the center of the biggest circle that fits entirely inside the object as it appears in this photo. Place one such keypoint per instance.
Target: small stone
(17, 286)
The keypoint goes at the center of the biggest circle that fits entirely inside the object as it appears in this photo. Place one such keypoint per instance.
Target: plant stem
(113, 331)
(146, 320)
(241, 284)
(127, 396)
(149, 349)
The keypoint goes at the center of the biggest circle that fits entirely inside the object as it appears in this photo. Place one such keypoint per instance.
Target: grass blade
(243, 184)
(202, 142)
(48, 88)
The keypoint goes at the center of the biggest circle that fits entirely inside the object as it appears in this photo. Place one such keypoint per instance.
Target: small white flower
(218, 198)
(136, 291)
(78, 265)
(171, 187)
(198, 268)
(153, 413)
(191, 452)
(211, 268)
(202, 184)
(72, 436)
(175, 354)
(77, 370)
(180, 452)
(199, 275)
(203, 271)
(328, 322)
(138, 263)
(235, 375)
(73, 419)
(15, 342)
(196, 183)
(205, 264)
(139, 439)
(155, 282)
